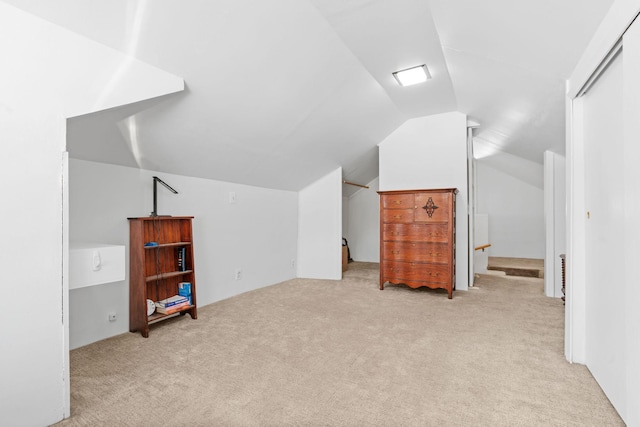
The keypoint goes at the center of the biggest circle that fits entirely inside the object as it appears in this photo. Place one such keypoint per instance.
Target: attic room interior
(255, 114)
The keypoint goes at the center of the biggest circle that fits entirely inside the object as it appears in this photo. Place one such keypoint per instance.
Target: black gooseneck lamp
(157, 180)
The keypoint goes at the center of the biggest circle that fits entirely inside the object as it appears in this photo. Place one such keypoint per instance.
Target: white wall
(101, 197)
(257, 234)
(48, 75)
(364, 224)
(345, 217)
(431, 152)
(555, 221)
(515, 205)
(320, 228)
(32, 331)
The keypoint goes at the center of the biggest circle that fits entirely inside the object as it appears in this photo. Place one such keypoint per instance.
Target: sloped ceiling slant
(280, 93)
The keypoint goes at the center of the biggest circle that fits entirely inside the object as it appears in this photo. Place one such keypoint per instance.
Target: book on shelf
(182, 259)
(171, 301)
(174, 308)
(184, 289)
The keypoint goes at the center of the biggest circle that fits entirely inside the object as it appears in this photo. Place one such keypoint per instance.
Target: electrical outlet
(232, 197)
(293, 263)
(112, 317)
(238, 274)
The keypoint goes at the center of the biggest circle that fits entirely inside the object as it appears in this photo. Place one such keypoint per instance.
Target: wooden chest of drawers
(417, 238)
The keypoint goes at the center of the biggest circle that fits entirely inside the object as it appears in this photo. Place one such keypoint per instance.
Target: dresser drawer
(420, 252)
(397, 271)
(398, 201)
(416, 232)
(398, 215)
(432, 207)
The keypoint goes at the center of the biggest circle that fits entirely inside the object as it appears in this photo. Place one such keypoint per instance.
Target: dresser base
(415, 284)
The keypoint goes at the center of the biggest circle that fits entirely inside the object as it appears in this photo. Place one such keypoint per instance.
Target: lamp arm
(156, 179)
(155, 193)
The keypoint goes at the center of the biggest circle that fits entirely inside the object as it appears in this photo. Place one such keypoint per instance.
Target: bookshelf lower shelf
(155, 317)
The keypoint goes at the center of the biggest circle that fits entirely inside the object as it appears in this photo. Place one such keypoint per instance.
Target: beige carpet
(344, 353)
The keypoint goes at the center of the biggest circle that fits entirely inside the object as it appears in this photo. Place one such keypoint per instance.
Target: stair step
(522, 267)
(521, 272)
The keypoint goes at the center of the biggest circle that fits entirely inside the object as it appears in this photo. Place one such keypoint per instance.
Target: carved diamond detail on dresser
(430, 207)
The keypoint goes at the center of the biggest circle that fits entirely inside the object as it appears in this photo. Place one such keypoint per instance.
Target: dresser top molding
(427, 190)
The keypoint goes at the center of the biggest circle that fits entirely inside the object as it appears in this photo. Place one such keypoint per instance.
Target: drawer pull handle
(397, 202)
(397, 216)
(436, 254)
(433, 275)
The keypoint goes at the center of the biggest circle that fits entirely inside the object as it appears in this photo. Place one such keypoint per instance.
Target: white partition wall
(554, 221)
(320, 228)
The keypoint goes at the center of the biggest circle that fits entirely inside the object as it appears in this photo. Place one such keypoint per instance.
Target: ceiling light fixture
(412, 76)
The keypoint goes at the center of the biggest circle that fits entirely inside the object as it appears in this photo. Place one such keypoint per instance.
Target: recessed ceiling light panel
(412, 76)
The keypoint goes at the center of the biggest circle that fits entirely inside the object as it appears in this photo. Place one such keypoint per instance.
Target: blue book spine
(172, 303)
(184, 289)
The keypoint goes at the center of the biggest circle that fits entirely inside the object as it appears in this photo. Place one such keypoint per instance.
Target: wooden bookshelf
(154, 271)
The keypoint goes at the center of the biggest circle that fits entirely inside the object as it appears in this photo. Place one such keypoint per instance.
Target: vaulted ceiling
(280, 92)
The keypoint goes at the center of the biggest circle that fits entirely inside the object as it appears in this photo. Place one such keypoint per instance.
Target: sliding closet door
(604, 233)
(631, 254)
(603, 189)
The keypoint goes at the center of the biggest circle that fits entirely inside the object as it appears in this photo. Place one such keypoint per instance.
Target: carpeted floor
(344, 353)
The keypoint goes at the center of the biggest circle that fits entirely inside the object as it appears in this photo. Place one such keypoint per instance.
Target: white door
(604, 230)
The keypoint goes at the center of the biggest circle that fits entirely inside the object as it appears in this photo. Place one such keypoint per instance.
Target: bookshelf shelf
(167, 275)
(156, 317)
(156, 271)
(167, 245)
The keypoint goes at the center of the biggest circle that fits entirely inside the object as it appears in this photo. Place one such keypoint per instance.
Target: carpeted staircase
(522, 267)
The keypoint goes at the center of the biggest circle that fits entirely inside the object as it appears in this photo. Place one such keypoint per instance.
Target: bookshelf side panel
(137, 294)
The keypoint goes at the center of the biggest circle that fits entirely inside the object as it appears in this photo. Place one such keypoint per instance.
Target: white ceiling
(281, 92)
